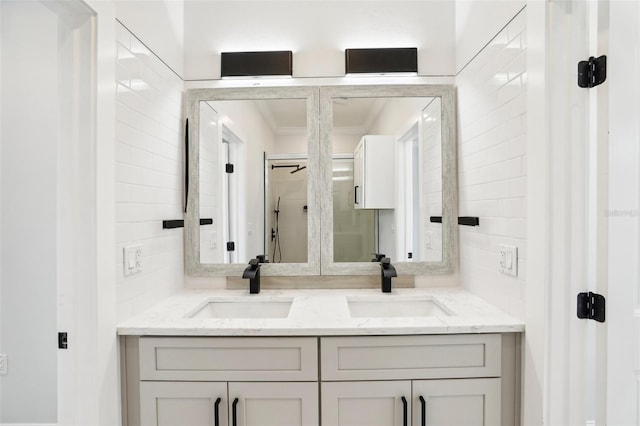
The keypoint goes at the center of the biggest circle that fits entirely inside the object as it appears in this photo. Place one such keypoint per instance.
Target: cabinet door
(273, 404)
(366, 403)
(358, 176)
(183, 403)
(459, 402)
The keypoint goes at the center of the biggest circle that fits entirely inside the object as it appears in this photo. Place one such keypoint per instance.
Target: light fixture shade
(255, 64)
(381, 61)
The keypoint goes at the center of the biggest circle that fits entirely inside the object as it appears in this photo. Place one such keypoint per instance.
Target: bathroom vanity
(321, 357)
(330, 357)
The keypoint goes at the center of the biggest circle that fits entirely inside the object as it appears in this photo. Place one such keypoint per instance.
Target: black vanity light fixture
(381, 61)
(257, 64)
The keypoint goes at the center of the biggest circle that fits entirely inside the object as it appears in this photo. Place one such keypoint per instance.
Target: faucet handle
(385, 262)
(254, 264)
(262, 258)
(378, 257)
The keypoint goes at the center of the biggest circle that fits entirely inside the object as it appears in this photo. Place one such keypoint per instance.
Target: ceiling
(318, 32)
(348, 114)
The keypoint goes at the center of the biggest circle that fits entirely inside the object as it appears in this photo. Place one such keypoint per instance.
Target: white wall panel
(492, 158)
(148, 174)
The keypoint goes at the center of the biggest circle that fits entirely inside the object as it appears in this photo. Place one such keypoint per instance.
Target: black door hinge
(591, 306)
(228, 168)
(63, 342)
(592, 72)
(231, 246)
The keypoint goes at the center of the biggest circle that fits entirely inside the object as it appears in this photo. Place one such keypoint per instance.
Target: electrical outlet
(132, 259)
(508, 260)
(3, 365)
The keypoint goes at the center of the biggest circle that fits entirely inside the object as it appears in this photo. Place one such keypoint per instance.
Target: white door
(48, 207)
(375, 403)
(460, 402)
(623, 294)
(183, 403)
(273, 404)
(234, 195)
(594, 368)
(407, 212)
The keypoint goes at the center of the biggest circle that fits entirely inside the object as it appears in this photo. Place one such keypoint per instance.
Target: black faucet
(253, 273)
(378, 257)
(387, 271)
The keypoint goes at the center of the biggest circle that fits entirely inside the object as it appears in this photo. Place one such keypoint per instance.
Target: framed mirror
(254, 176)
(389, 178)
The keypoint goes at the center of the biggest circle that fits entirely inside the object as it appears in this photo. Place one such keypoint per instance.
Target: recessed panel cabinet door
(459, 402)
(183, 403)
(366, 403)
(273, 404)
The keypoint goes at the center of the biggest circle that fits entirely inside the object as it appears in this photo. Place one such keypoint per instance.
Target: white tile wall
(149, 174)
(492, 165)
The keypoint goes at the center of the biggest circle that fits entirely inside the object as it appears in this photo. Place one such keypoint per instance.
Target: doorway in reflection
(286, 208)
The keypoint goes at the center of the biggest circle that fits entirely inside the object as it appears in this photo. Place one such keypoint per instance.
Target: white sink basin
(243, 309)
(381, 308)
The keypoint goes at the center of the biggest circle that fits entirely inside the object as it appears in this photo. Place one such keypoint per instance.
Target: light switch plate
(508, 259)
(428, 240)
(132, 259)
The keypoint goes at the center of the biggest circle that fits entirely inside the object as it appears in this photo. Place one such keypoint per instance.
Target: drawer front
(228, 359)
(410, 357)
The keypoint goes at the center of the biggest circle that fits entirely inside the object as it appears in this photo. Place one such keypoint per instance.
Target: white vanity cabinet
(371, 403)
(410, 380)
(446, 380)
(221, 381)
(456, 402)
(374, 172)
(228, 403)
(183, 403)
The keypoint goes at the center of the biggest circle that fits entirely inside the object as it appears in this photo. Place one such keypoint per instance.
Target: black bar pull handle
(186, 165)
(216, 412)
(355, 194)
(423, 409)
(462, 220)
(234, 412)
(405, 411)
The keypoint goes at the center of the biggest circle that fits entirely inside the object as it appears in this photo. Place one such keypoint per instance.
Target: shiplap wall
(149, 174)
(493, 165)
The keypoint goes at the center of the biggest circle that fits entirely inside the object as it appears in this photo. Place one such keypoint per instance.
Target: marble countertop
(322, 313)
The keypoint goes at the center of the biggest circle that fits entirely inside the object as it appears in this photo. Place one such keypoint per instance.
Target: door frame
(77, 217)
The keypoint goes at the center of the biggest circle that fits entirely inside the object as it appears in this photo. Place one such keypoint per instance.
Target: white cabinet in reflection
(374, 172)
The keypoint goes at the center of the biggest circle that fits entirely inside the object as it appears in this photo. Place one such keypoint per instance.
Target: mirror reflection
(253, 180)
(387, 178)
(286, 208)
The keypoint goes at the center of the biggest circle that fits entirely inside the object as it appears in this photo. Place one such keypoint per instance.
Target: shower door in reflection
(354, 231)
(286, 208)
